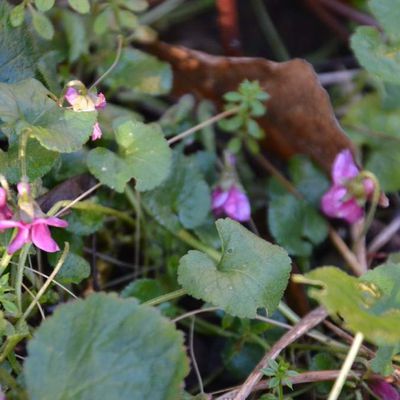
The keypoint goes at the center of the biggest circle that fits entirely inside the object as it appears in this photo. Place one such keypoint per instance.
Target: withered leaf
(300, 118)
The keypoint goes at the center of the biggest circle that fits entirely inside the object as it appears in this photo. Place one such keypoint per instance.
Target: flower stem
(40, 293)
(280, 391)
(5, 260)
(188, 238)
(338, 386)
(204, 124)
(23, 141)
(113, 65)
(166, 297)
(20, 275)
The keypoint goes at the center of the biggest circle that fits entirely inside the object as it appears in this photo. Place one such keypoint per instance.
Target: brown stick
(229, 27)
(307, 323)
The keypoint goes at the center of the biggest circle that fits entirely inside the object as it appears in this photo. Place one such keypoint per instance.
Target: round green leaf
(144, 155)
(17, 15)
(74, 270)
(44, 5)
(43, 26)
(81, 6)
(369, 304)
(387, 13)
(251, 273)
(104, 347)
(26, 104)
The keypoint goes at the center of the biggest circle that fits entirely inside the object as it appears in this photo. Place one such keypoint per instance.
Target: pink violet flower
(32, 225)
(232, 203)
(339, 201)
(384, 390)
(85, 103)
(5, 212)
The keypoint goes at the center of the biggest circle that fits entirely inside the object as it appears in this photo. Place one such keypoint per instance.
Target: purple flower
(384, 390)
(5, 212)
(340, 201)
(84, 103)
(96, 134)
(232, 203)
(32, 225)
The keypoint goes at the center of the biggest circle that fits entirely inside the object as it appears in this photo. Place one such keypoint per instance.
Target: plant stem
(113, 65)
(188, 238)
(5, 260)
(280, 391)
(166, 297)
(40, 293)
(23, 141)
(202, 125)
(341, 379)
(20, 275)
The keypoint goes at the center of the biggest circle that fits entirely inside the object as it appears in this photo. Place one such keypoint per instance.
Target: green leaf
(134, 5)
(17, 58)
(374, 127)
(101, 22)
(144, 155)
(140, 72)
(143, 289)
(128, 19)
(183, 199)
(39, 161)
(105, 347)
(382, 362)
(43, 26)
(296, 224)
(85, 222)
(17, 15)
(44, 5)
(81, 6)
(74, 270)
(369, 304)
(251, 273)
(77, 37)
(26, 105)
(387, 13)
(376, 57)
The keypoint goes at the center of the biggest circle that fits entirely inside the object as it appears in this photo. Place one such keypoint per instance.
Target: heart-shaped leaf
(144, 155)
(251, 273)
(369, 304)
(183, 199)
(112, 349)
(27, 105)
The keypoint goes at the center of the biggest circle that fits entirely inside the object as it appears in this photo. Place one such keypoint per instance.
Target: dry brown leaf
(300, 117)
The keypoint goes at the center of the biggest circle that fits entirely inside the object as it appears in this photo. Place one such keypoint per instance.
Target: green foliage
(7, 297)
(369, 304)
(251, 273)
(81, 6)
(42, 24)
(183, 200)
(249, 99)
(17, 58)
(143, 289)
(143, 351)
(44, 5)
(26, 106)
(387, 12)
(382, 362)
(144, 154)
(39, 161)
(296, 224)
(140, 72)
(74, 270)
(279, 374)
(77, 35)
(375, 127)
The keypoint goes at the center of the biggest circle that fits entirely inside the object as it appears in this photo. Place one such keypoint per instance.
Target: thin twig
(307, 323)
(346, 367)
(202, 125)
(193, 357)
(194, 312)
(385, 235)
(33, 296)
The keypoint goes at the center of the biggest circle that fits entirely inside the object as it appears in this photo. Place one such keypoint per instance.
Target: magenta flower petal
(344, 167)
(52, 221)
(20, 239)
(3, 197)
(41, 238)
(71, 95)
(97, 133)
(384, 390)
(11, 224)
(219, 197)
(101, 102)
(334, 205)
(237, 206)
